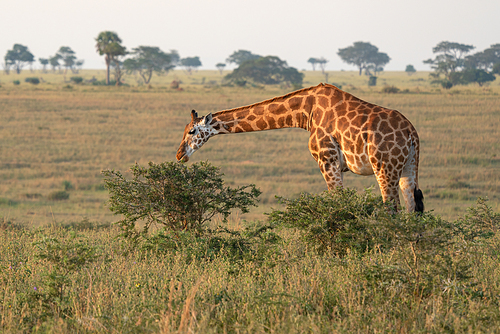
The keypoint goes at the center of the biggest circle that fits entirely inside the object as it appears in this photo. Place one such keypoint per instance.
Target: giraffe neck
(289, 111)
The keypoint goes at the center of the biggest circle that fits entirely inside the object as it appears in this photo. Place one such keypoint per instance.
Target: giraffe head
(196, 133)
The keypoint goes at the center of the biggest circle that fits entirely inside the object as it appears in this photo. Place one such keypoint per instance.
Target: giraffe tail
(419, 200)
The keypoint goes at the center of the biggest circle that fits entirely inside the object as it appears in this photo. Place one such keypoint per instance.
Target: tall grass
(286, 287)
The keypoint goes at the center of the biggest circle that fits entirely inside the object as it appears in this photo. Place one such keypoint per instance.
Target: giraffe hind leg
(408, 183)
(388, 188)
(413, 196)
(408, 186)
(387, 179)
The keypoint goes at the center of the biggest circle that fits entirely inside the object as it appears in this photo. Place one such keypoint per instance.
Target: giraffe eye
(192, 131)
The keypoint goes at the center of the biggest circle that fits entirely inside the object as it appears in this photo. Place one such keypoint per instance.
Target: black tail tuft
(419, 200)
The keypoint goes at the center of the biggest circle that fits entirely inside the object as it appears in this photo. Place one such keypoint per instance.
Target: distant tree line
(20, 56)
(321, 62)
(452, 65)
(143, 60)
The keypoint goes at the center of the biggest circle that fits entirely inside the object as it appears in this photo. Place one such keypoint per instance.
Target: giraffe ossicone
(347, 134)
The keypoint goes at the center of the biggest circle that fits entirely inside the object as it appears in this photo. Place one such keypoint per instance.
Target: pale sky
(406, 30)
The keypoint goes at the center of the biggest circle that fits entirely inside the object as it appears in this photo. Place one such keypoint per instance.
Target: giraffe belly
(359, 164)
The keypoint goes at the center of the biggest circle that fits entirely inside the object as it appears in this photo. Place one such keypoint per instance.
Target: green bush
(427, 254)
(432, 255)
(103, 83)
(331, 221)
(33, 81)
(372, 81)
(342, 221)
(174, 196)
(58, 195)
(66, 257)
(16, 82)
(479, 224)
(445, 83)
(390, 90)
(240, 82)
(76, 80)
(468, 76)
(67, 185)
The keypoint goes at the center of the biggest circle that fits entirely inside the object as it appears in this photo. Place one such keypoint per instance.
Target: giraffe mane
(273, 99)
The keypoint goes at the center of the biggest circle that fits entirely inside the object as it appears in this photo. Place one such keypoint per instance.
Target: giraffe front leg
(332, 175)
(330, 159)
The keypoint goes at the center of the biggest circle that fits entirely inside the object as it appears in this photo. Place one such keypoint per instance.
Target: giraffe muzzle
(182, 157)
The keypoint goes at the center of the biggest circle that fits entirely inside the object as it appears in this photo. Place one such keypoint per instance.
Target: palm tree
(108, 44)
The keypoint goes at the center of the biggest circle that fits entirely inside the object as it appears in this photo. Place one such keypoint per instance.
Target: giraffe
(347, 134)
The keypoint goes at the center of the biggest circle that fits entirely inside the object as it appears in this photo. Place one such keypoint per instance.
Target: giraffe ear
(207, 119)
(194, 115)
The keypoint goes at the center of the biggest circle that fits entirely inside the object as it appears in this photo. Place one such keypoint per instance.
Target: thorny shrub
(330, 221)
(427, 252)
(174, 196)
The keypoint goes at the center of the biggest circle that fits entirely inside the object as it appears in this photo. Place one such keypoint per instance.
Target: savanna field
(65, 268)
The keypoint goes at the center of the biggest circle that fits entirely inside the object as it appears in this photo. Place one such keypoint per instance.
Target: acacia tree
(67, 55)
(322, 64)
(220, 67)
(149, 59)
(485, 60)
(313, 62)
(473, 75)
(268, 70)
(458, 69)
(240, 56)
(449, 59)
(18, 57)
(54, 62)
(78, 65)
(44, 62)
(190, 63)
(109, 45)
(377, 63)
(365, 56)
(410, 69)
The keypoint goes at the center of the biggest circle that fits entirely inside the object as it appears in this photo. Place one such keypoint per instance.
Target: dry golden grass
(57, 131)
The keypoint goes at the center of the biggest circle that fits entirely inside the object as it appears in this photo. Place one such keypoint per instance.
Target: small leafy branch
(66, 258)
(174, 196)
(479, 224)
